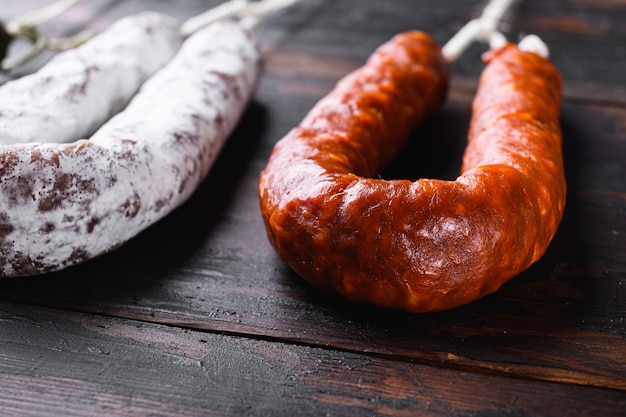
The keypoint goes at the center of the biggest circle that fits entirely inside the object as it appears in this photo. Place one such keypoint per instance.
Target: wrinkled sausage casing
(427, 245)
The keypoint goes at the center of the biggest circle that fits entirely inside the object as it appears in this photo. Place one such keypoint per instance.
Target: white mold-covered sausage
(61, 204)
(81, 88)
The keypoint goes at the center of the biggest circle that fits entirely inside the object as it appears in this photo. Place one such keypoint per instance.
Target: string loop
(483, 28)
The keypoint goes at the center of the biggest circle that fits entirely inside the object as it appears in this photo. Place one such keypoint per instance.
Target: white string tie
(483, 29)
(249, 12)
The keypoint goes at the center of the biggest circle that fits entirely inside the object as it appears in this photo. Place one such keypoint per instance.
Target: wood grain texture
(88, 365)
(550, 342)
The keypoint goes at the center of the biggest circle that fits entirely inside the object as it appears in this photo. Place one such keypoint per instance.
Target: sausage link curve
(426, 245)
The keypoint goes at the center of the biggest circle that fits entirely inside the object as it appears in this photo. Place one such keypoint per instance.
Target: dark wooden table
(197, 316)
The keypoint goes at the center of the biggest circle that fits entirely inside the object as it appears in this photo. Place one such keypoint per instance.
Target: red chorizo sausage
(427, 245)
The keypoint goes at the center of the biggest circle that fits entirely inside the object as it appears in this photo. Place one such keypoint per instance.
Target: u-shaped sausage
(431, 244)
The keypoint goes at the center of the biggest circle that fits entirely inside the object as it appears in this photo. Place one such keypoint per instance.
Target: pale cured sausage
(81, 88)
(61, 204)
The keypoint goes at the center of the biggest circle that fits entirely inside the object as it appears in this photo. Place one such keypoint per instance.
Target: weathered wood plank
(56, 363)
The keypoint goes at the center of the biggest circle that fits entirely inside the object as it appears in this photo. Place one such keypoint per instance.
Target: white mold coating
(79, 89)
(61, 204)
